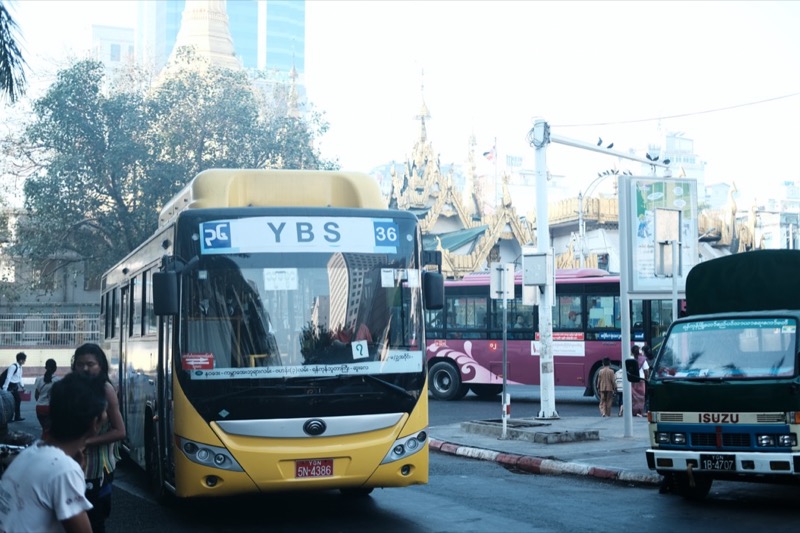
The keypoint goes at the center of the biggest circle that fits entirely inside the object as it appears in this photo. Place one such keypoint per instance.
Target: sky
(725, 74)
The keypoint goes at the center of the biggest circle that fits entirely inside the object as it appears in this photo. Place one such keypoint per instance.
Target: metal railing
(48, 329)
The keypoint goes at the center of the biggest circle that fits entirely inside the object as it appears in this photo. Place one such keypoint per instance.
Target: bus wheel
(486, 391)
(692, 491)
(445, 382)
(356, 492)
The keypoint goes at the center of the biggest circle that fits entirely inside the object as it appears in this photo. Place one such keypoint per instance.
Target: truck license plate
(313, 468)
(717, 462)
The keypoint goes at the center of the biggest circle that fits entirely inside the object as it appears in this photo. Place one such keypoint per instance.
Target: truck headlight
(765, 440)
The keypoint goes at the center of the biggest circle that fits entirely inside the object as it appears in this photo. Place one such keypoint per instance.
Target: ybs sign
(299, 234)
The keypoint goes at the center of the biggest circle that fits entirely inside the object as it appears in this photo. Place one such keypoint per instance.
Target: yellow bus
(270, 337)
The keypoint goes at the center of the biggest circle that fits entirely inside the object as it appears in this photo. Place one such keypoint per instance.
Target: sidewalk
(27, 410)
(537, 446)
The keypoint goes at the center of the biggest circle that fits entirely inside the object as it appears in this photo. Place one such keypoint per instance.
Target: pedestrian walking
(102, 450)
(41, 391)
(607, 387)
(638, 389)
(43, 488)
(618, 380)
(13, 383)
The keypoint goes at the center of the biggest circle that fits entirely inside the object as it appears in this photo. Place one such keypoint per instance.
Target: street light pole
(539, 138)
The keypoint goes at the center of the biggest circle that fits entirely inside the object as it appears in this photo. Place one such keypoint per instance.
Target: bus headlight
(662, 437)
(787, 441)
(208, 455)
(406, 446)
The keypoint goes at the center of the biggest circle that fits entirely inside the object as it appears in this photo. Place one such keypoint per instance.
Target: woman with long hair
(102, 450)
(41, 393)
(638, 389)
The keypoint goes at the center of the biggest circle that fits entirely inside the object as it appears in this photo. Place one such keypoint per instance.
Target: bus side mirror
(433, 289)
(165, 293)
(632, 369)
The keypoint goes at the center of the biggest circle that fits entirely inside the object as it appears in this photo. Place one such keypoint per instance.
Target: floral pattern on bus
(471, 370)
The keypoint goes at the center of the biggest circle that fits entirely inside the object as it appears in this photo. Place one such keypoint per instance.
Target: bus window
(150, 319)
(568, 313)
(603, 312)
(660, 317)
(137, 304)
(466, 317)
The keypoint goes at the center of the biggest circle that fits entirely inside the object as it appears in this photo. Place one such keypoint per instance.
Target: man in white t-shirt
(43, 489)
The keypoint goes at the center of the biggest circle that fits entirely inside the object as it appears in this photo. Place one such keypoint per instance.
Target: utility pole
(539, 137)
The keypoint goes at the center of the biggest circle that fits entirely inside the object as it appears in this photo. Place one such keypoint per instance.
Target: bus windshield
(729, 349)
(302, 314)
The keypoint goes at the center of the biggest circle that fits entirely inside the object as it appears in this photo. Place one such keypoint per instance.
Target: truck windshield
(729, 349)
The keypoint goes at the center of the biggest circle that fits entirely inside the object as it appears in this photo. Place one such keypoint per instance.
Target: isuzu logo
(718, 418)
(315, 427)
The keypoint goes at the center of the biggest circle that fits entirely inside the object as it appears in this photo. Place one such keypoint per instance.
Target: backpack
(4, 375)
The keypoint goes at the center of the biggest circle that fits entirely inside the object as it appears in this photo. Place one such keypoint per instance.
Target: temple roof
(450, 214)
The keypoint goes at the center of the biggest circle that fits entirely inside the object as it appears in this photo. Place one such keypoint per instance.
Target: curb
(541, 465)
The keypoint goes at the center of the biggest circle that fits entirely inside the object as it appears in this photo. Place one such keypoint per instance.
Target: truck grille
(729, 440)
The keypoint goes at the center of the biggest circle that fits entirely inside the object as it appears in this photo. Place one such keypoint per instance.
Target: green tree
(88, 197)
(12, 64)
(107, 157)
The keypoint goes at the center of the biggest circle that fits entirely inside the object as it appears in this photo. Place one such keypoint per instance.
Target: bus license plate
(313, 468)
(717, 462)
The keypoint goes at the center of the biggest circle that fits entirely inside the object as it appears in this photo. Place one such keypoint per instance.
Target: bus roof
(750, 281)
(565, 275)
(274, 188)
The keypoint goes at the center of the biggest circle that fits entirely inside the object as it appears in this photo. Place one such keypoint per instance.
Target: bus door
(122, 354)
(164, 398)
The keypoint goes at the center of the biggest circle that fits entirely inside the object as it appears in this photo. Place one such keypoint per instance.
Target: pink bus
(465, 339)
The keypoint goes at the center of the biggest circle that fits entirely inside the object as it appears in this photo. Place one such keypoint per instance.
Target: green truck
(723, 395)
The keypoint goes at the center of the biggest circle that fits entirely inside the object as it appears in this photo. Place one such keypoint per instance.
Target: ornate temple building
(451, 215)
(456, 221)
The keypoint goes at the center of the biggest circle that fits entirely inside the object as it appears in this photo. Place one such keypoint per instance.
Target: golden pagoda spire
(204, 26)
(423, 112)
(294, 105)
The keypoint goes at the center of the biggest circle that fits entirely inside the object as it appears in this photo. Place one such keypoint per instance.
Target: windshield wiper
(700, 379)
(382, 382)
(281, 386)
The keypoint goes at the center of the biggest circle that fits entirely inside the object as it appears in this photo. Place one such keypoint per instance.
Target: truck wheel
(445, 382)
(692, 491)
